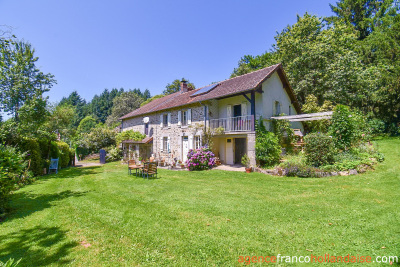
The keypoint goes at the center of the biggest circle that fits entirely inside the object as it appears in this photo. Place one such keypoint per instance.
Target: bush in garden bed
(64, 154)
(200, 159)
(114, 154)
(319, 149)
(267, 146)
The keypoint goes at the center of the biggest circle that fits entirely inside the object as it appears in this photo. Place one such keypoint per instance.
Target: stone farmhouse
(175, 123)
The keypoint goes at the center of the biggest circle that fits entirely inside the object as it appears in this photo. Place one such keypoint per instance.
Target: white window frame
(166, 145)
(184, 118)
(197, 142)
(165, 120)
(277, 108)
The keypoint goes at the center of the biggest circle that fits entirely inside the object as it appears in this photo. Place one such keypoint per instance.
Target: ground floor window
(166, 147)
(197, 143)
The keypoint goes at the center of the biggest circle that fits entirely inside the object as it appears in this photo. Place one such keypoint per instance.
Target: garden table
(136, 168)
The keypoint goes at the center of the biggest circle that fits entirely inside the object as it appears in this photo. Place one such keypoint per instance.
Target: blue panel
(205, 89)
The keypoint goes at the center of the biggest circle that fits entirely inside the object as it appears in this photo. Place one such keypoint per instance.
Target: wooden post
(253, 110)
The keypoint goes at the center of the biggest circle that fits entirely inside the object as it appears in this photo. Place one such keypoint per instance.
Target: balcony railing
(234, 124)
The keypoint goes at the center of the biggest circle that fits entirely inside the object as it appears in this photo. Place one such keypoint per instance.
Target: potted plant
(246, 163)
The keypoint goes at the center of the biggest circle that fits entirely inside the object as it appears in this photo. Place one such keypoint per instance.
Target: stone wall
(174, 131)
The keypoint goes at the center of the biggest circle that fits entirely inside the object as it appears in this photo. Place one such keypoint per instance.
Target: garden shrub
(347, 128)
(129, 135)
(284, 132)
(64, 154)
(81, 152)
(319, 149)
(98, 138)
(54, 150)
(267, 146)
(300, 170)
(393, 129)
(33, 153)
(376, 126)
(114, 154)
(12, 173)
(200, 159)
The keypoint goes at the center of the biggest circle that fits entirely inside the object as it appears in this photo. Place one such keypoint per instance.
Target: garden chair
(53, 165)
(149, 170)
(131, 165)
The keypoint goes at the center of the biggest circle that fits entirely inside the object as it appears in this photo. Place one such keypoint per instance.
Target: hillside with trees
(351, 58)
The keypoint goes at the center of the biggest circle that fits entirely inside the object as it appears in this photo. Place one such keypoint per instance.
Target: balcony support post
(253, 110)
(252, 100)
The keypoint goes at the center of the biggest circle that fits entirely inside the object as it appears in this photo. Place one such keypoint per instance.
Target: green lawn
(101, 216)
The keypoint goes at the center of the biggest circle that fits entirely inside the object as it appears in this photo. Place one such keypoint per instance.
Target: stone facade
(179, 138)
(172, 131)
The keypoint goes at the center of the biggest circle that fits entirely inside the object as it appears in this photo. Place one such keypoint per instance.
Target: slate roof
(233, 86)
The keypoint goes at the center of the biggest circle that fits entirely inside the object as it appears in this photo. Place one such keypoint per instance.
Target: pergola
(306, 117)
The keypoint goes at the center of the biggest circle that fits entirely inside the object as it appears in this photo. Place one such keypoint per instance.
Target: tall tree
(101, 106)
(249, 63)
(20, 79)
(75, 100)
(175, 86)
(61, 120)
(363, 15)
(122, 105)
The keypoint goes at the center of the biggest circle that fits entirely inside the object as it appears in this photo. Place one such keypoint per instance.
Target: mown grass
(100, 216)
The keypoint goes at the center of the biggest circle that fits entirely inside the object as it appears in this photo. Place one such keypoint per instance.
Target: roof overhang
(146, 140)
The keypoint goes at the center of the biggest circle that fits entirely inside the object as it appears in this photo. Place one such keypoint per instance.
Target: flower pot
(248, 170)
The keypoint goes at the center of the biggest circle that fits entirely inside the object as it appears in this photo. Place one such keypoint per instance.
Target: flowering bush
(200, 159)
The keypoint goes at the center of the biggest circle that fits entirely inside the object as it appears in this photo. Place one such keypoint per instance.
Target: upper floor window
(184, 117)
(165, 120)
(146, 128)
(277, 108)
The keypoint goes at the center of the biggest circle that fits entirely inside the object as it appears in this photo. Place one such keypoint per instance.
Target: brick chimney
(184, 86)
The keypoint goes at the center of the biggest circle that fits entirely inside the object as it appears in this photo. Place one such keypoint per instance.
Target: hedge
(32, 148)
(64, 154)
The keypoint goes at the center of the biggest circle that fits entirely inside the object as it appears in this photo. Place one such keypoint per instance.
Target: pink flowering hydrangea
(200, 159)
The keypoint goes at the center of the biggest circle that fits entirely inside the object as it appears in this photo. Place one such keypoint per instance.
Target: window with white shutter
(244, 109)
(179, 118)
(169, 119)
(229, 111)
(189, 116)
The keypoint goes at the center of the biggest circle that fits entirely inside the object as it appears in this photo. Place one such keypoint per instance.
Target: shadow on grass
(37, 246)
(71, 172)
(24, 204)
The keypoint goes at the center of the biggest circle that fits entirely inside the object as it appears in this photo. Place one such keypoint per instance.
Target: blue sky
(92, 45)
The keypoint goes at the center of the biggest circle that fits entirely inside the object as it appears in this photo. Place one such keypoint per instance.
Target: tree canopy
(21, 81)
(175, 86)
(351, 58)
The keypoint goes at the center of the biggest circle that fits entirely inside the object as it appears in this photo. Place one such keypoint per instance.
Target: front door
(237, 110)
(229, 151)
(185, 148)
(240, 149)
